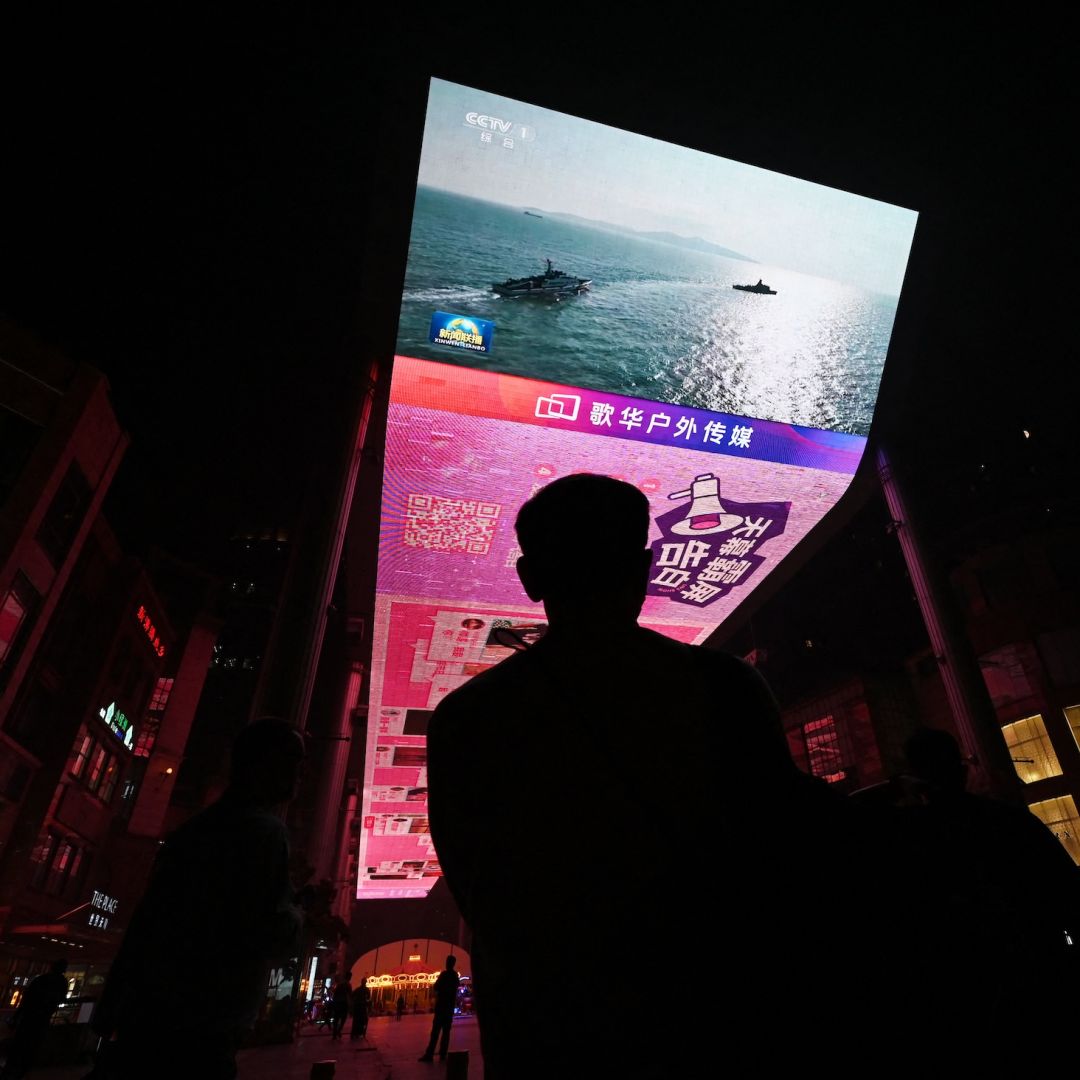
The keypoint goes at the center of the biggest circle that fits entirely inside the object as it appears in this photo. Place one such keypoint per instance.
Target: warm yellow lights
(1032, 753)
(1072, 714)
(1061, 818)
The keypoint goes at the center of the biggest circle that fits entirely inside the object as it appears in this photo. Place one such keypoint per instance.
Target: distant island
(688, 243)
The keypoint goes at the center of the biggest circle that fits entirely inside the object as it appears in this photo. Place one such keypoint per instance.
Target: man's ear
(528, 579)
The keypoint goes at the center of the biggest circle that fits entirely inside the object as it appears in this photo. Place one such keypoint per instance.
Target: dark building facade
(100, 684)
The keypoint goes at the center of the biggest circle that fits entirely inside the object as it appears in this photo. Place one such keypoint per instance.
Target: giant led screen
(579, 298)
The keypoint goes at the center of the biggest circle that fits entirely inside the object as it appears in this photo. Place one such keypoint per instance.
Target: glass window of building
(161, 695)
(80, 753)
(1072, 714)
(823, 749)
(1061, 818)
(94, 766)
(1030, 748)
(59, 862)
(16, 610)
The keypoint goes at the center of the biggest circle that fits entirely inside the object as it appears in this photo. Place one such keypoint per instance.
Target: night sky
(216, 217)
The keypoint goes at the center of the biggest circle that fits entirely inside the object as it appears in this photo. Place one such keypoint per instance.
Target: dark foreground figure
(615, 803)
(361, 1005)
(446, 988)
(191, 972)
(997, 900)
(32, 1019)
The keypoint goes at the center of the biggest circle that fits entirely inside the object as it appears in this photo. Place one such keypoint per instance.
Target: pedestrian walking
(339, 1008)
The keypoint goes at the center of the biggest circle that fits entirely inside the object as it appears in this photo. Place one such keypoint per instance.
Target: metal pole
(969, 700)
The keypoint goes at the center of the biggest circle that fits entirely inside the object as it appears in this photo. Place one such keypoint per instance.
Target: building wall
(54, 495)
(1020, 607)
(98, 688)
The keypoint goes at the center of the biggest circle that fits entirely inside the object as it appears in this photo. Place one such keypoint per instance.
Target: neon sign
(105, 906)
(151, 631)
(118, 723)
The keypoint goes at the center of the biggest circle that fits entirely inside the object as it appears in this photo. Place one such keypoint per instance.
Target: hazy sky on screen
(576, 166)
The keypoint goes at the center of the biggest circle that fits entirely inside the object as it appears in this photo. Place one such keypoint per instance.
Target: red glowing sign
(151, 631)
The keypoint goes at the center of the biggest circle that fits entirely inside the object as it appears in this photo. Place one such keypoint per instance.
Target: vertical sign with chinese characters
(150, 630)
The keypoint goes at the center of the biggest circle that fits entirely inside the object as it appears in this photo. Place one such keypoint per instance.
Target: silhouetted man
(192, 970)
(361, 1004)
(32, 1018)
(611, 801)
(446, 988)
(339, 1008)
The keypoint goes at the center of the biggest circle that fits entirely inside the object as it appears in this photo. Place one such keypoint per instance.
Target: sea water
(659, 322)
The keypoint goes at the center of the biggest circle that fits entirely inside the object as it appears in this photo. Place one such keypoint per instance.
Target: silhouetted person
(400, 1009)
(339, 1008)
(446, 988)
(997, 894)
(32, 1018)
(361, 1004)
(191, 973)
(610, 789)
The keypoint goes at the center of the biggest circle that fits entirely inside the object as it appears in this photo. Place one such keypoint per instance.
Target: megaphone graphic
(705, 514)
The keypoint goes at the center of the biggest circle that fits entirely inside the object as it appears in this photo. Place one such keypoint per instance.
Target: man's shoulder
(489, 687)
(222, 820)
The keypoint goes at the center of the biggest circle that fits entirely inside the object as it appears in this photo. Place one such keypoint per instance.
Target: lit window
(97, 767)
(1072, 714)
(1030, 748)
(147, 736)
(40, 857)
(161, 695)
(108, 780)
(15, 609)
(1060, 817)
(80, 753)
(61, 874)
(823, 749)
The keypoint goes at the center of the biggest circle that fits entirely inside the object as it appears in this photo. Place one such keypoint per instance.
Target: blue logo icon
(461, 332)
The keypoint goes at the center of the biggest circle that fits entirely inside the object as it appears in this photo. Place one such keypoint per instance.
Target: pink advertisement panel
(464, 450)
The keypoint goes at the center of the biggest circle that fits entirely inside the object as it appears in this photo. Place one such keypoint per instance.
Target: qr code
(439, 524)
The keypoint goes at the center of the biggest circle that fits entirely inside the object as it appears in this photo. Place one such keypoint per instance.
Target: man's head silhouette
(935, 757)
(267, 759)
(583, 542)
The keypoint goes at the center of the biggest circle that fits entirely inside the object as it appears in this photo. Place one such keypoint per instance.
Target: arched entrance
(408, 968)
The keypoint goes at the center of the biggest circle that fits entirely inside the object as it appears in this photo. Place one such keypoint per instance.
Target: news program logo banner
(461, 332)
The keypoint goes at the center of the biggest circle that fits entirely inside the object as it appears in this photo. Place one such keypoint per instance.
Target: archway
(409, 968)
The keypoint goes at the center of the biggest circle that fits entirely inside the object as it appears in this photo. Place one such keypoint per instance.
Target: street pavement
(389, 1052)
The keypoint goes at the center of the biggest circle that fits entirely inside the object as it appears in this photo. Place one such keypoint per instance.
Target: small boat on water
(551, 284)
(529, 213)
(760, 287)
